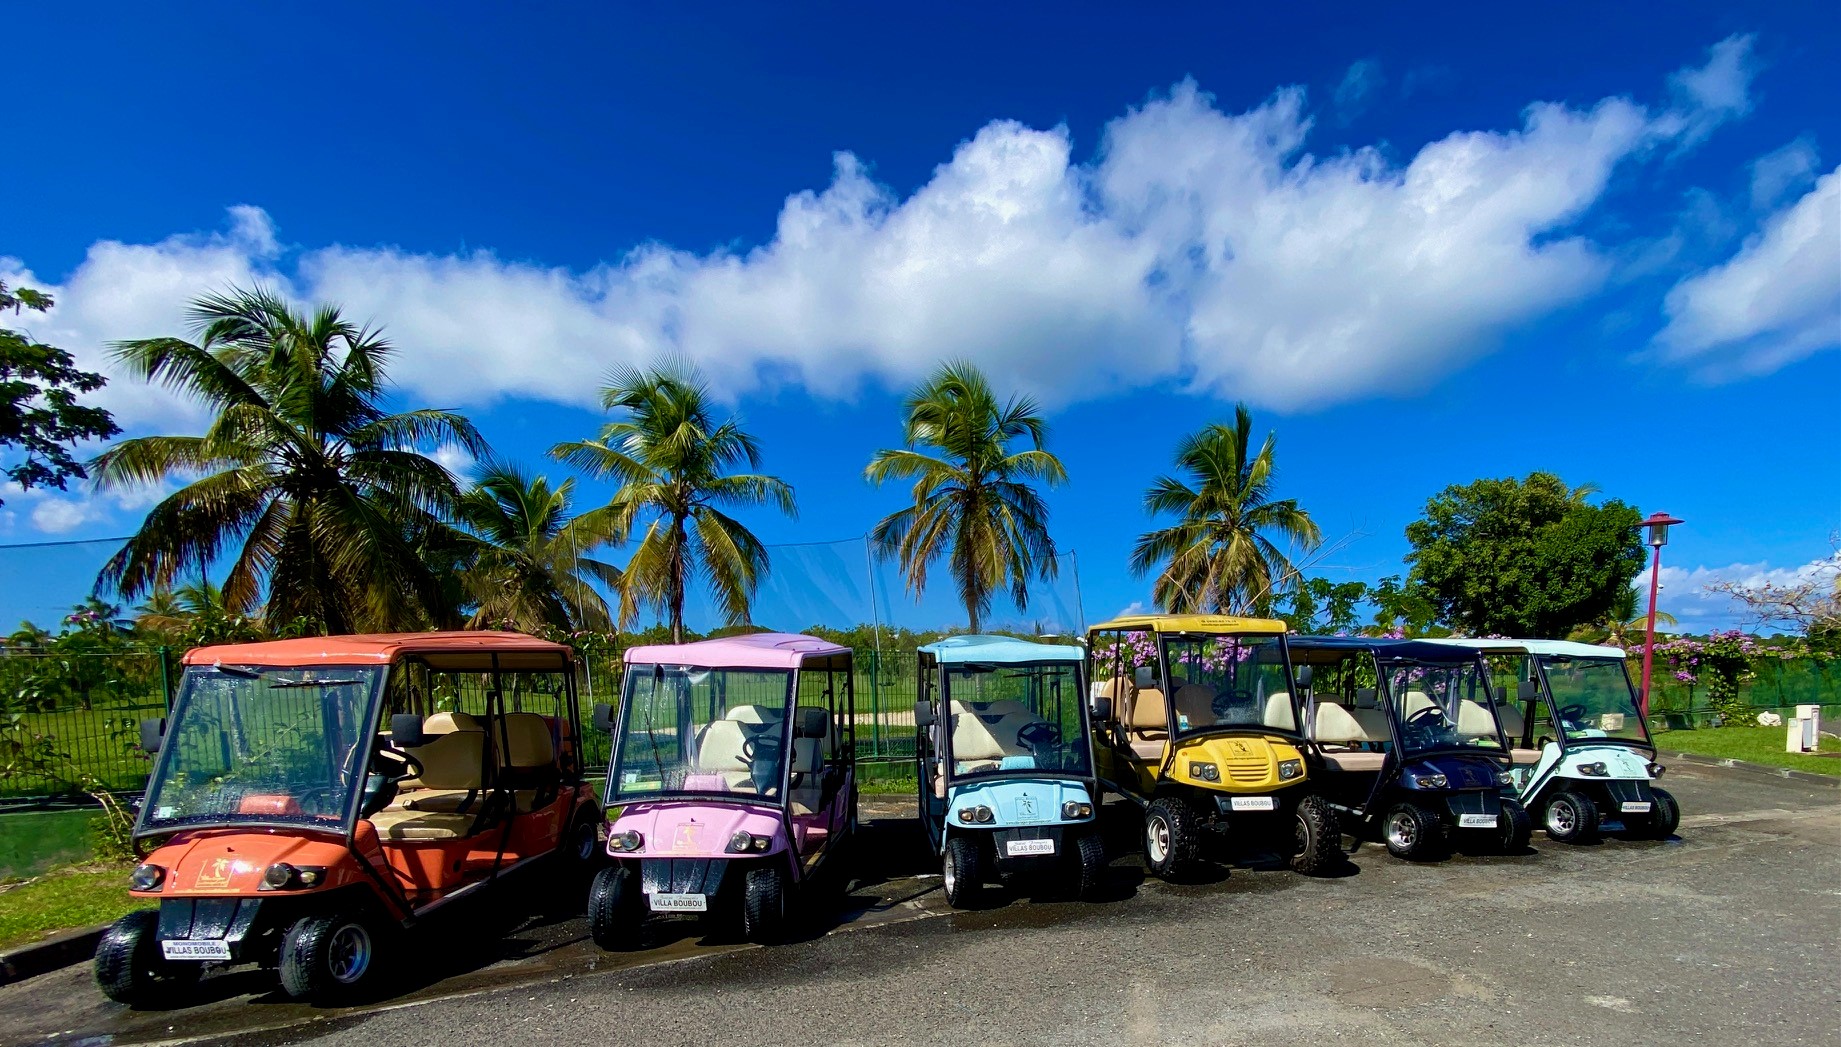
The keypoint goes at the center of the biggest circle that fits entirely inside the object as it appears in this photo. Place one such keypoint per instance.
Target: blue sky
(1599, 240)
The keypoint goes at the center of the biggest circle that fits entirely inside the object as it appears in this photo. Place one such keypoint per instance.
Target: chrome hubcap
(1560, 818)
(950, 873)
(348, 955)
(1401, 831)
(1303, 841)
(1157, 838)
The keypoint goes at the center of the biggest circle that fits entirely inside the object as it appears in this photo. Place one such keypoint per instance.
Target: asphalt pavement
(1729, 933)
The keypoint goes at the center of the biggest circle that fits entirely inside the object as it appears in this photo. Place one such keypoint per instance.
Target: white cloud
(1200, 246)
(1355, 92)
(1684, 590)
(1774, 302)
(1783, 171)
(455, 460)
(62, 515)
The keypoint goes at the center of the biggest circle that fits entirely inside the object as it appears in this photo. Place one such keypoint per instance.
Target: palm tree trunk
(677, 580)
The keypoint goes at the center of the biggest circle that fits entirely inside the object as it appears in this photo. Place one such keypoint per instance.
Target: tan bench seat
(1356, 761)
(395, 823)
(1525, 757)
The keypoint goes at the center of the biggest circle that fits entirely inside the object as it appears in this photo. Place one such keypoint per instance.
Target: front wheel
(1413, 832)
(1665, 816)
(764, 904)
(1571, 818)
(131, 969)
(1172, 836)
(1090, 852)
(962, 872)
(614, 915)
(1515, 827)
(1318, 844)
(329, 958)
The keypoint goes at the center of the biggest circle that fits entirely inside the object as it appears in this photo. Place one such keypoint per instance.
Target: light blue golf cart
(1005, 764)
(1582, 761)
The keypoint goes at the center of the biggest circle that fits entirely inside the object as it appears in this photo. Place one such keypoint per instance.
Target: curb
(1829, 781)
(64, 949)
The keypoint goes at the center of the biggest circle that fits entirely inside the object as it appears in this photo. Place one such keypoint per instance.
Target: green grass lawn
(1752, 744)
(83, 896)
(34, 841)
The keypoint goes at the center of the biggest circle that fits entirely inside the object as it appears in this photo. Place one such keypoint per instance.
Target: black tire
(616, 920)
(580, 850)
(1515, 827)
(962, 871)
(1090, 871)
(1570, 817)
(1665, 816)
(130, 968)
(330, 958)
(764, 904)
(1413, 833)
(1317, 847)
(1172, 836)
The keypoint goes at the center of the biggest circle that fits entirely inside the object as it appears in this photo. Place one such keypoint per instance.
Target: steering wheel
(1426, 716)
(1040, 734)
(408, 765)
(1574, 713)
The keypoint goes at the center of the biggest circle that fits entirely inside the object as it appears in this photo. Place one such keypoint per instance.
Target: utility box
(1805, 734)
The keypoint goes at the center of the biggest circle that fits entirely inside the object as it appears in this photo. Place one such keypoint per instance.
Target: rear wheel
(1665, 816)
(1515, 827)
(615, 919)
(1090, 852)
(1172, 836)
(329, 958)
(764, 904)
(1571, 817)
(1318, 844)
(962, 871)
(131, 969)
(1413, 832)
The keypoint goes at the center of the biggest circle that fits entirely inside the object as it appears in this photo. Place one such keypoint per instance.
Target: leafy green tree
(322, 497)
(40, 414)
(672, 459)
(975, 500)
(527, 563)
(1524, 557)
(1320, 605)
(1218, 555)
(1403, 607)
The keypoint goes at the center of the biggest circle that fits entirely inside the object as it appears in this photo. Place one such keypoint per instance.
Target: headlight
(744, 842)
(1289, 769)
(1074, 809)
(284, 877)
(1431, 781)
(278, 875)
(966, 815)
(626, 841)
(984, 813)
(146, 878)
(1594, 770)
(1656, 769)
(1504, 778)
(1205, 772)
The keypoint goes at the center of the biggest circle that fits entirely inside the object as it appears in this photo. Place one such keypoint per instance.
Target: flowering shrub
(1721, 662)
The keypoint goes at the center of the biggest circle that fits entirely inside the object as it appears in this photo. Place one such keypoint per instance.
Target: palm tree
(320, 497)
(672, 458)
(525, 556)
(973, 495)
(1217, 556)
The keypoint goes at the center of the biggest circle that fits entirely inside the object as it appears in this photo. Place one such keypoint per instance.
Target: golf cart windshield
(1442, 706)
(687, 731)
(1229, 681)
(264, 745)
(1017, 719)
(1592, 699)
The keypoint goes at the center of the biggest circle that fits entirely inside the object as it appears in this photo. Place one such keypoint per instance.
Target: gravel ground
(1727, 934)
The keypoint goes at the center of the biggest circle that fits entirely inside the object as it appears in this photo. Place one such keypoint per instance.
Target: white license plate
(1636, 806)
(1254, 803)
(199, 950)
(680, 903)
(1019, 848)
(1476, 821)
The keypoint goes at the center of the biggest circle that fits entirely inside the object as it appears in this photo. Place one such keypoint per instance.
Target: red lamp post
(1657, 525)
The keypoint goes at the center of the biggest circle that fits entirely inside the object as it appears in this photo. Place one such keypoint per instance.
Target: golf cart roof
(753, 651)
(1557, 648)
(1197, 623)
(1382, 647)
(475, 648)
(1000, 650)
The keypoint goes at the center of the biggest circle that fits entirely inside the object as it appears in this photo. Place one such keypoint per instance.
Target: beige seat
(754, 714)
(453, 772)
(1279, 713)
(1339, 727)
(1000, 707)
(1147, 724)
(1415, 702)
(979, 743)
(1514, 725)
(814, 726)
(1356, 762)
(722, 749)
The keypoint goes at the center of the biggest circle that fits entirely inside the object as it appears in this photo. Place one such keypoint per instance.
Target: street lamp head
(1658, 525)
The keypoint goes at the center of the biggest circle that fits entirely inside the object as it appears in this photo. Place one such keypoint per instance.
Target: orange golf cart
(311, 798)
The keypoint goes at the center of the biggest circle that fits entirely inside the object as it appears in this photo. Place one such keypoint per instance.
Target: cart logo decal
(686, 838)
(215, 875)
(1239, 748)
(1025, 806)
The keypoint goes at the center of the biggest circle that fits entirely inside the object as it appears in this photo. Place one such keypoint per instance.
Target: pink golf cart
(734, 776)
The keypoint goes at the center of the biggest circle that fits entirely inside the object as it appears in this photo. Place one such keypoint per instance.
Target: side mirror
(812, 723)
(151, 733)
(1528, 690)
(603, 718)
(406, 731)
(1102, 707)
(923, 714)
(1144, 677)
(1304, 674)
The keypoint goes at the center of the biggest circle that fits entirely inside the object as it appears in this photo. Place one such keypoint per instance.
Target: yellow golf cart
(1196, 719)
